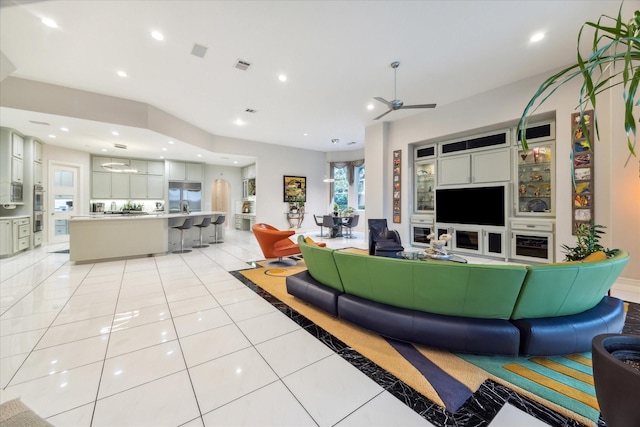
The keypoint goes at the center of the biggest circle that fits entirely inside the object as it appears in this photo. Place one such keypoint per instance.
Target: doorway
(220, 191)
(63, 200)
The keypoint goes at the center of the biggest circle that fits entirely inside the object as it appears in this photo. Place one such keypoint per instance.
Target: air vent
(476, 142)
(35, 122)
(351, 143)
(250, 110)
(242, 65)
(121, 146)
(198, 50)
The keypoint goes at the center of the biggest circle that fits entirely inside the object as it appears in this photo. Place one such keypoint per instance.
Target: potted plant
(588, 242)
(616, 376)
(336, 209)
(612, 61)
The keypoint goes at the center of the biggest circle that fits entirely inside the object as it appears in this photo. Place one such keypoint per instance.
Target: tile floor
(175, 340)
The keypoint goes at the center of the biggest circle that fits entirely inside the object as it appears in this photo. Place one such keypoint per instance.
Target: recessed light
(235, 162)
(52, 136)
(537, 37)
(199, 155)
(282, 78)
(305, 134)
(335, 141)
(164, 148)
(49, 22)
(115, 133)
(63, 129)
(162, 157)
(369, 106)
(104, 150)
(239, 122)
(122, 73)
(157, 35)
(169, 142)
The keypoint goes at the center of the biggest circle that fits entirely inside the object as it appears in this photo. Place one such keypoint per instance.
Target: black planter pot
(617, 383)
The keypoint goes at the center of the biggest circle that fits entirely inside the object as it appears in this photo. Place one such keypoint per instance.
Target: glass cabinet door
(535, 180)
(425, 186)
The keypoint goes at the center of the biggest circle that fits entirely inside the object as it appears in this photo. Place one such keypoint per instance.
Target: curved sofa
(474, 308)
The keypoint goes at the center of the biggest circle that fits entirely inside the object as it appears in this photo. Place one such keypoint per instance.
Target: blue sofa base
(570, 334)
(462, 334)
(531, 337)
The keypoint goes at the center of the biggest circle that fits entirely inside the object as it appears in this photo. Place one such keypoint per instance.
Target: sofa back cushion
(320, 264)
(469, 290)
(564, 289)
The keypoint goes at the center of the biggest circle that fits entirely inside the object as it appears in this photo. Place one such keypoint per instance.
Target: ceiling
(336, 56)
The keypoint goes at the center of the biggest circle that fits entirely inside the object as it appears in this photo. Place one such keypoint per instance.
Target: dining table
(338, 221)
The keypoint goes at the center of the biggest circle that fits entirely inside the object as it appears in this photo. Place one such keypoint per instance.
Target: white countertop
(14, 217)
(119, 217)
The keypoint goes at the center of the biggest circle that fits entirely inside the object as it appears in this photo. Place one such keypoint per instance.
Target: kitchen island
(101, 237)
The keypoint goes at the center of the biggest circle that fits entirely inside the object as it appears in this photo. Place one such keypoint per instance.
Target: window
(346, 194)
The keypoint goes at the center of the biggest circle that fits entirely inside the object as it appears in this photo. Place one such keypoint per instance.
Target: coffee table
(426, 257)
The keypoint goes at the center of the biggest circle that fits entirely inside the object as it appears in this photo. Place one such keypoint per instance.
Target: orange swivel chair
(275, 243)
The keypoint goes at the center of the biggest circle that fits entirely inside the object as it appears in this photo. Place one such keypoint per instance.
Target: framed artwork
(582, 170)
(295, 189)
(397, 166)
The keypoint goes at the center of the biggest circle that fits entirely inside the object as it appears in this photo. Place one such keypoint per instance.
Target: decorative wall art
(582, 171)
(397, 200)
(295, 189)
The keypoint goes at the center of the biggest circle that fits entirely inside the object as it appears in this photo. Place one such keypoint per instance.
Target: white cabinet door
(455, 170)
(37, 173)
(100, 185)
(96, 163)
(17, 170)
(37, 151)
(139, 165)
(17, 146)
(6, 238)
(491, 166)
(155, 168)
(120, 185)
(194, 172)
(139, 187)
(177, 171)
(155, 187)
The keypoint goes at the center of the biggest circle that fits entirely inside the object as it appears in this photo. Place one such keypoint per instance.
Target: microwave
(15, 192)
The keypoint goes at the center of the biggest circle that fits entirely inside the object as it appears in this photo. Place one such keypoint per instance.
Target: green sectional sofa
(476, 308)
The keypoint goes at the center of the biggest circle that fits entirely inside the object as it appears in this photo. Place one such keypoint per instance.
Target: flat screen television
(476, 205)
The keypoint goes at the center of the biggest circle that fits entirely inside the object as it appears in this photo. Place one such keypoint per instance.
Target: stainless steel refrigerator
(183, 194)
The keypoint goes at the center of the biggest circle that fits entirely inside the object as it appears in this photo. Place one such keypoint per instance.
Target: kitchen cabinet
(146, 186)
(476, 168)
(37, 174)
(17, 146)
(155, 168)
(37, 151)
(107, 185)
(97, 162)
(21, 234)
(179, 171)
(476, 239)
(155, 187)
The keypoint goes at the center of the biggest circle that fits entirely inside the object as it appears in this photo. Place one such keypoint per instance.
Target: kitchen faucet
(184, 206)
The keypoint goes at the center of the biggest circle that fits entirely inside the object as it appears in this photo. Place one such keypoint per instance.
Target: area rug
(14, 413)
(561, 388)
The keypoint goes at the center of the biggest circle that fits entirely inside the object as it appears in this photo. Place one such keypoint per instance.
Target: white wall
(615, 209)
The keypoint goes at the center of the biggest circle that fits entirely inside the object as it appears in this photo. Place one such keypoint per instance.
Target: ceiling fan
(397, 104)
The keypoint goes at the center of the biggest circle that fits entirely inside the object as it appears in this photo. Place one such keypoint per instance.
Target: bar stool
(219, 220)
(206, 221)
(187, 224)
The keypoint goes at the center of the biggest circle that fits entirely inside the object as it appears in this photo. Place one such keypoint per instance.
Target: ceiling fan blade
(383, 114)
(384, 101)
(420, 106)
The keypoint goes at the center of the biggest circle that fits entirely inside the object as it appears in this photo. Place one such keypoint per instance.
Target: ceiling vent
(198, 50)
(121, 146)
(242, 65)
(39, 123)
(351, 143)
(250, 110)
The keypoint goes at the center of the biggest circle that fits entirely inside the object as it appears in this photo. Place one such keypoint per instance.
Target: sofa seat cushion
(305, 287)
(570, 334)
(461, 334)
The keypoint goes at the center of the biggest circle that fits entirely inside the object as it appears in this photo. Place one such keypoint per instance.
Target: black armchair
(380, 234)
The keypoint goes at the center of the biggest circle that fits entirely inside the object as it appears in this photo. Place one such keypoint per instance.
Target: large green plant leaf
(613, 60)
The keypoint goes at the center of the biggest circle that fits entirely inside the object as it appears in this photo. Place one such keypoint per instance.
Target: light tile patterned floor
(175, 340)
